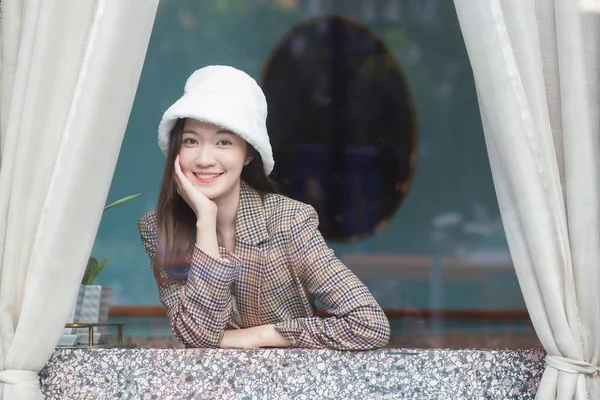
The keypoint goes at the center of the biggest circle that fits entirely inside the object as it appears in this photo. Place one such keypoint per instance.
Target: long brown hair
(177, 221)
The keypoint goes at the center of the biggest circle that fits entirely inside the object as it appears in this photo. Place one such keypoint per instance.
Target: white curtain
(70, 70)
(535, 64)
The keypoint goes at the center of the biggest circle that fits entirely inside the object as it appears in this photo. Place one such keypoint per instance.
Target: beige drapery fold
(535, 64)
(69, 74)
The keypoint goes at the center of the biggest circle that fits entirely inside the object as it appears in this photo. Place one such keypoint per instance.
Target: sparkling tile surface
(291, 374)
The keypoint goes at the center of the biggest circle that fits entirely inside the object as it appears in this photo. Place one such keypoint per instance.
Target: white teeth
(206, 176)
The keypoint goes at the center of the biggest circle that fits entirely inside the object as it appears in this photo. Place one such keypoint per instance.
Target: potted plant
(93, 301)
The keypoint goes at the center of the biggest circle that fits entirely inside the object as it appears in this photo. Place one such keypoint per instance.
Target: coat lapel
(251, 240)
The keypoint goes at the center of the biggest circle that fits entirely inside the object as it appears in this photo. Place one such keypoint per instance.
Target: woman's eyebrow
(193, 132)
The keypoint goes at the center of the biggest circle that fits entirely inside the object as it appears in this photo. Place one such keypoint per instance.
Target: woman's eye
(189, 141)
(224, 142)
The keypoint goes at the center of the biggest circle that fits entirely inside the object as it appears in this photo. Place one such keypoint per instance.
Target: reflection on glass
(444, 250)
(342, 125)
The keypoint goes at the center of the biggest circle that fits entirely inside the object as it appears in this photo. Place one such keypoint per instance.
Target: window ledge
(291, 373)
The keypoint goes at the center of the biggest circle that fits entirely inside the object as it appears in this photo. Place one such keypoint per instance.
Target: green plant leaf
(95, 271)
(91, 266)
(121, 201)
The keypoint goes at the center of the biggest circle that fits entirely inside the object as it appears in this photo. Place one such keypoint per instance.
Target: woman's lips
(207, 178)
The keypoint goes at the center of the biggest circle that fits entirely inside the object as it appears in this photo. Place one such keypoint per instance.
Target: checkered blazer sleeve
(357, 322)
(199, 309)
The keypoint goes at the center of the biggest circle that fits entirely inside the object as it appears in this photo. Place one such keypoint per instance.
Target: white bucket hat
(228, 98)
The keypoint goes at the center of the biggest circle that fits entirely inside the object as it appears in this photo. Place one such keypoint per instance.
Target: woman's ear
(248, 160)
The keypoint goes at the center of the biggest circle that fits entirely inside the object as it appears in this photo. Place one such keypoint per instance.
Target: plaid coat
(280, 267)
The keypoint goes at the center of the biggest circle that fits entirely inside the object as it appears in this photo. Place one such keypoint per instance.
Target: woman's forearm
(270, 337)
(255, 337)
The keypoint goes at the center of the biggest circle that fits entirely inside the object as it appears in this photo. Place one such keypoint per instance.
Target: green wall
(452, 178)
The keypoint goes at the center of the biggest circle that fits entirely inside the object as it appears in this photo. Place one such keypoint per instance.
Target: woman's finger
(177, 184)
(180, 178)
(178, 171)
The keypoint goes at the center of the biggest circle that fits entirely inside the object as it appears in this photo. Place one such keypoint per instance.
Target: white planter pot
(93, 309)
(95, 304)
(69, 336)
(76, 310)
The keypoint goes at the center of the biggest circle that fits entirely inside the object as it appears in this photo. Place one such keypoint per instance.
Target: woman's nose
(205, 156)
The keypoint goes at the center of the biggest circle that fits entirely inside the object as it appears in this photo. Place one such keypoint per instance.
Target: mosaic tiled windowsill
(98, 374)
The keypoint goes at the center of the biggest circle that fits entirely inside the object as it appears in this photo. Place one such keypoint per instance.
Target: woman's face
(211, 158)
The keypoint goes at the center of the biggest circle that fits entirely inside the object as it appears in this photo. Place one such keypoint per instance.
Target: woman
(253, 261)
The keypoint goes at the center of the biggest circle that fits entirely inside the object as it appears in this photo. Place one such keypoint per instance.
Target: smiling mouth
(207, 178)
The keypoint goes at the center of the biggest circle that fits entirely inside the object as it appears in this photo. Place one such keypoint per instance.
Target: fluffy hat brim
(221, 111)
